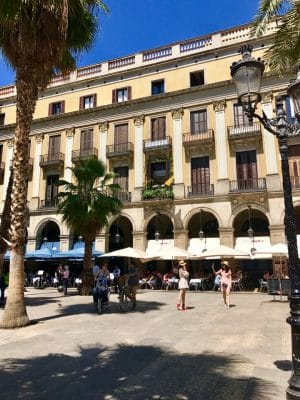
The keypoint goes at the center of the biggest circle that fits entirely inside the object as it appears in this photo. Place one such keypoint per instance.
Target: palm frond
(267, 10)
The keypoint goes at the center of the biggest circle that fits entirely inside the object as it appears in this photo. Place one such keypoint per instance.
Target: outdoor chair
(263, 285)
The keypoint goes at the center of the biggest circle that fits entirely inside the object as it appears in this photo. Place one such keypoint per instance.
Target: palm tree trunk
(15, 314)
(5, 222)
(87, 278)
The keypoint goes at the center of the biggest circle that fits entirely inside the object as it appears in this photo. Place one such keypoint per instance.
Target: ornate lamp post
(247, 74)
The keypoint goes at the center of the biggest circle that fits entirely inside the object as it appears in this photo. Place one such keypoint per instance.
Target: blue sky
(135, 25)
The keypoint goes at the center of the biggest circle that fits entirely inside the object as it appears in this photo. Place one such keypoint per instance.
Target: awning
(77, 253)
(47, 250)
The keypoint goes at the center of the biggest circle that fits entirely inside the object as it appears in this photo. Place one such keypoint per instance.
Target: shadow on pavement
(89, 308)
(131, 373)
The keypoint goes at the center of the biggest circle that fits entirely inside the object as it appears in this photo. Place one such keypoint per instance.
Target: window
(197, 78)
(198, 121)
(200, 175)
(88, 102)
(120, 95)
(158, 128)
(285, 103)
(294, 164)
(51, 190)
(86, 139)
(122, 177)
(121, 133)
(158, 87)
(57, 108)
(54, 147)
(159, 172)
(246, 169)
(2, 118)
(240, 118)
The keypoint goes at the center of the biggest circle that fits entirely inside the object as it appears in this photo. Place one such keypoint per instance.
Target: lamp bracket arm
(267, 123)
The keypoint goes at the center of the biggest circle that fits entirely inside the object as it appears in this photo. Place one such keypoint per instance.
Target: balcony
(240, 132)
(248, 185)
(83, 154)
(201, 190)
(201, 138)
(159, 144)
(123, 150)
(157, 192)
(123, 196)
(49, 203)
(55, 160)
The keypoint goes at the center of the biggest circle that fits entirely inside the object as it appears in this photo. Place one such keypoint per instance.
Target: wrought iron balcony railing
(55, 159)
(119, 149)
(83, 154)
(206, 136)
(158, 144)
(48, 203)
(242, 131)
(295, 181)
(200, 190)
(248, 185)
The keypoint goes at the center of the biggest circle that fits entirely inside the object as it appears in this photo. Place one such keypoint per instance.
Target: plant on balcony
(158, 192)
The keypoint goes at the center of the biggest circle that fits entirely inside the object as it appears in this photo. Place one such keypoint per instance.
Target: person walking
(183, 284)
(66, 276)
(133, 283)
(225, 273)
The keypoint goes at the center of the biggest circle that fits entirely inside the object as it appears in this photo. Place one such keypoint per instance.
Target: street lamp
(156, 234)
(201, 233)
(117, 235)
(247, 74)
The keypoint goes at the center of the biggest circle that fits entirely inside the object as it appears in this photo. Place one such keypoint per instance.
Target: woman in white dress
(183, 284)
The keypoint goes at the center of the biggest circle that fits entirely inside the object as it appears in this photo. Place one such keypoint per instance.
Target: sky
(137, 25)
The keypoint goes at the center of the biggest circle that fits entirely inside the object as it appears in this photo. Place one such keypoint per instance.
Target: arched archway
(160, 226)
(120, 233)
(48, 232)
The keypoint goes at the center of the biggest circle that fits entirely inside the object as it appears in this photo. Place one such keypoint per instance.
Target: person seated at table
(152, 282)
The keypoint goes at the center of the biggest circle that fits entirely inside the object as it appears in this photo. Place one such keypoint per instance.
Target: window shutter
(81, 103)
(95, 100)
(63, 107)
(114, 96)
(129, 92)
(50, 109)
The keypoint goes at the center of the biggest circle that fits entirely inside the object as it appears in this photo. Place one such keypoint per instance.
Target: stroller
(101, 295)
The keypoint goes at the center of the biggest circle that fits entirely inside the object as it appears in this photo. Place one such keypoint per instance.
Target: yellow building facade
(167, 121)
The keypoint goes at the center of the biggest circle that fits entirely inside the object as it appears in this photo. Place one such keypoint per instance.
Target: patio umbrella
(129, 252)
(222, 251)
(174, 253)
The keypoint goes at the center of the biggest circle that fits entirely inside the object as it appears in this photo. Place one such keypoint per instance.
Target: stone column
(277, 234)
(103, 129)
(269, 143)
(181, 238)
(177, 147)
(139, 240)
(227, 237)
(8, 163)
(36, 175)
(102, 242)
(139, 121)
(222, 186)
(68, 156)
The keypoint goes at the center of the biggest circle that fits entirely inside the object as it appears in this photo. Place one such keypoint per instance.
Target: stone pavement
(156, 352)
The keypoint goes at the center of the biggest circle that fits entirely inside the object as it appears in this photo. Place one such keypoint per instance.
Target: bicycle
(123, 297)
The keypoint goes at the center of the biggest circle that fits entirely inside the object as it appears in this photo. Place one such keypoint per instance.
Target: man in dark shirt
(133, 283)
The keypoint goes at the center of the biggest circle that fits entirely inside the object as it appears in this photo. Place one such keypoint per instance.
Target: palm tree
(86, 205)
(5, 222)
(284, 54)
(37, 38)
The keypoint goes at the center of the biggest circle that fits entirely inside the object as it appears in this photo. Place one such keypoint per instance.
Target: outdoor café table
(173, 283)
(196, 283)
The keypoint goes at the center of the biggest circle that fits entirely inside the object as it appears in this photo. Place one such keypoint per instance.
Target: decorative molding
(70, 132)
(103, 126)
(177, 113)
(39, 138)
(10, 143)
(219, 105)
(267, 97)
(139, 120)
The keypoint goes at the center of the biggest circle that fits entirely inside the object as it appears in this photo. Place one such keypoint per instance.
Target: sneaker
(177, 306)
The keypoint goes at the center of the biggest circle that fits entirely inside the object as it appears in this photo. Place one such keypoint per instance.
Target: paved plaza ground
(156, 352)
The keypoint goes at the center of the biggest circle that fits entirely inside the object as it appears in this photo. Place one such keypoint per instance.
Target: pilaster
(139, 121)
(226, 237)
(181, 238)
(277, 234)
(103, 130)
(68, 156)
(177, 147)
(36, 175)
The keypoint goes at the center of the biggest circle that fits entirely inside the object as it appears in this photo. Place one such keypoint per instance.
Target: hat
(182, 263)
(225, 263)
